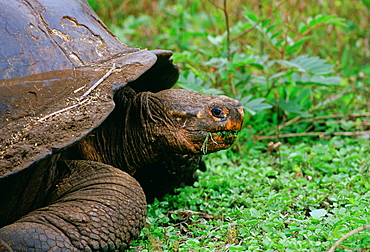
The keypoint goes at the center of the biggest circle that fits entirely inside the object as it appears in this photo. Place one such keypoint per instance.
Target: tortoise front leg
(97, 207)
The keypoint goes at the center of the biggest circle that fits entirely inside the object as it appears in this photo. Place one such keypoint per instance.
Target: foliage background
(298, 178)
(249, 50)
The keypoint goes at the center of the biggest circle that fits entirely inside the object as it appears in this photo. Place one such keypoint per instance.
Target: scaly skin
(209, 122)
(96, 207)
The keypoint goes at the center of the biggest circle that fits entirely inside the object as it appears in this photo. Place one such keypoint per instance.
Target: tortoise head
(202, 123)
(143, 126)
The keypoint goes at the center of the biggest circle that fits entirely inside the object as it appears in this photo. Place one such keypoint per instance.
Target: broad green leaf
(290, 64)
(239, 27)
(304, 63)
(195, 83)
(241, 59)
(249, 14)
(326, 80)
(291, 107)
(304, 78)
(254, 105)
(269, 29)
(323, 19)
(217, 62)
(192, 82)
(314, 65)
(258, 66)
(277, 75)
(260, 80)
(224, 74)
(318, 213)
(357, 220)
(293, 48)
(275, 35)
(217, 40)
(302, 27)
(266, 22)
(230, 67)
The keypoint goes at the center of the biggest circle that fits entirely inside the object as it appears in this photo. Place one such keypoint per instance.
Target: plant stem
(355, 231)
(227, 30)
(228, 41)
(313, 134)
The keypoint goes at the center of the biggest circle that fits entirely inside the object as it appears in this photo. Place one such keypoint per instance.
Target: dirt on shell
(24, 138)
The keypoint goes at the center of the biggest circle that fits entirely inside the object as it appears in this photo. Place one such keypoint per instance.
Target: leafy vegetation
(301, 70)
(301, 200)
(284, 60)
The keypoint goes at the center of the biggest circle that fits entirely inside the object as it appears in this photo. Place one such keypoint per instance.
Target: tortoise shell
(51, 54)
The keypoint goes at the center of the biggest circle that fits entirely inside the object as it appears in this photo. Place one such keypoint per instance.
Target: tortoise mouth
(212, 141)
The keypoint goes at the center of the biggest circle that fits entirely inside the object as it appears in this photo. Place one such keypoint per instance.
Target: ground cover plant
(301, 200)
(298, 178)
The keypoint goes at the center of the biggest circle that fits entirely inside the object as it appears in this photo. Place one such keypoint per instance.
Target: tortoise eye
(217, 112)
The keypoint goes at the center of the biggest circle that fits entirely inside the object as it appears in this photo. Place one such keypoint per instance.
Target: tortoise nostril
(241, 111)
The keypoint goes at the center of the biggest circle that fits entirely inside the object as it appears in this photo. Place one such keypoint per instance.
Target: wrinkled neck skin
(137, 132)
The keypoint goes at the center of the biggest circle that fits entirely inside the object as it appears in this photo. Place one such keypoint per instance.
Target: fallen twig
(327, 101)
(355, 231)
(354, 133)
(354, 115)
(299, 119)
(80, 100)
(62, 110)
(291, 135)
(281, 126)
(98, 82)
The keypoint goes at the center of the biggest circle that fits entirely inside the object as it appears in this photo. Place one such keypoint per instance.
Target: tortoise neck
(132, 135)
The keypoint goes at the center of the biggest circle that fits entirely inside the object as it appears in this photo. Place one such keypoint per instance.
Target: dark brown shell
(51, 52)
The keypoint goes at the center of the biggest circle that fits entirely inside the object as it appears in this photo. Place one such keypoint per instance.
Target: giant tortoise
(90, 129)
